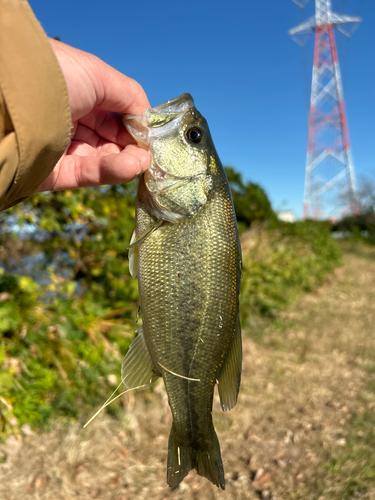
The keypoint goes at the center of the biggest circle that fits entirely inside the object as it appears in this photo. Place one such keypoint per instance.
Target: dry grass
(303, 427)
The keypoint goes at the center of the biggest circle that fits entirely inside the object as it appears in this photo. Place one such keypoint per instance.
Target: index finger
(118, 92)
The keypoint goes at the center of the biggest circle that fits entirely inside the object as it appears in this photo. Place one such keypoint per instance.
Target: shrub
(294, 258)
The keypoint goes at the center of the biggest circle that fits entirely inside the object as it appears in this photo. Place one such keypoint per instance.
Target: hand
(100, 151)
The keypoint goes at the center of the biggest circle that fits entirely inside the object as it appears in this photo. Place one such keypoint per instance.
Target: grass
(334, 328)
(281, 264)
(58, 354)
(303, 427)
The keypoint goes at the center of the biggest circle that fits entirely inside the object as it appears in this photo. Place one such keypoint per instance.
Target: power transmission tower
(329, 179)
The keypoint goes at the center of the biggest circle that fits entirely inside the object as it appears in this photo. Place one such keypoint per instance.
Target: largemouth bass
(186, 254)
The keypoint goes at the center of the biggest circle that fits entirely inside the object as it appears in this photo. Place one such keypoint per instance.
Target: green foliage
(67, 302)
(358, 226)
(250, 200)
(352, 468)
(283, 263)
(68, 305)
(361, 225)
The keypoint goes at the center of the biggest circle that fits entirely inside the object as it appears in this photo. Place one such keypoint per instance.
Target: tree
(362, 222)
(250, 200)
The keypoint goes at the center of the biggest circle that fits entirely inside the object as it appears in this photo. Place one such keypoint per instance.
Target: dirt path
(303, 427)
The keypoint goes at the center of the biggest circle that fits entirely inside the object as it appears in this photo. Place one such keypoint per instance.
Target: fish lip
(182, 99)
(141, 126)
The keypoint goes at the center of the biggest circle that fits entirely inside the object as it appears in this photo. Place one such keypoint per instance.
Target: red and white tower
(329, 180)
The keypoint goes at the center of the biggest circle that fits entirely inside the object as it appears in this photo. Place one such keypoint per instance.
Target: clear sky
(247, 77)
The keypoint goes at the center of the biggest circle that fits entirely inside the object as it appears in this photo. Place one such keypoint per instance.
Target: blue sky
(247, 77)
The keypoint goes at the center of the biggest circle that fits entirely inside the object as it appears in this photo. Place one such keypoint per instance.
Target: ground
(303, 427)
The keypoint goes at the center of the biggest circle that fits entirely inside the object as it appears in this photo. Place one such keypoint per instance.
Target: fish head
(179, 180)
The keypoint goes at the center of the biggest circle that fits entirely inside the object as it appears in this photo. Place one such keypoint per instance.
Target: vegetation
(303, 428)
(361, 226)
(250, 199)
(67, 302)
(68, 306)
(286, 261)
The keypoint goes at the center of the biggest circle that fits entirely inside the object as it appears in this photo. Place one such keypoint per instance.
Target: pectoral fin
(133, 258)
(133, 251)
(137, 368)
(151, 228)
(230, 376)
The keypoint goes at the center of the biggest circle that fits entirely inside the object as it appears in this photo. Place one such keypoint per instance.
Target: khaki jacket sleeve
(35, 119)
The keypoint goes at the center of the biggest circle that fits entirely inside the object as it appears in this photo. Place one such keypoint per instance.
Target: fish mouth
(174, 105)
(159, 120)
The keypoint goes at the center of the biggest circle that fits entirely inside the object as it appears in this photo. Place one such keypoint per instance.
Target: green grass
(292, 260)
(58, 345)
(351, 469)
(326, 324)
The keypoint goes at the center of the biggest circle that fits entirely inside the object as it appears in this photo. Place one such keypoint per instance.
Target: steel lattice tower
(329, 178)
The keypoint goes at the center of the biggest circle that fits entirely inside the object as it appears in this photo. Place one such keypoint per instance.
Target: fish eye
(194, 134)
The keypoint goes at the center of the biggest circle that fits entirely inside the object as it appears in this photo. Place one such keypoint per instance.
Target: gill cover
(178, 183)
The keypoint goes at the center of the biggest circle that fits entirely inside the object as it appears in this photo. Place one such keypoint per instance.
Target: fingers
(105, 124)
(93, 83)
(87, 136)
(74, 171)
(82, 148)
(101, 151)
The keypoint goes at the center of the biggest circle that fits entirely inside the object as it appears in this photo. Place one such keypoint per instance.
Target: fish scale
(188, 269)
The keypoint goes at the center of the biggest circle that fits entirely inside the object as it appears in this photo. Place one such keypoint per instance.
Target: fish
(185, 252)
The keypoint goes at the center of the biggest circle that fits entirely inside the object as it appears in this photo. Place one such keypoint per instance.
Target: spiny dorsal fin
(230, 376)
(137, 367)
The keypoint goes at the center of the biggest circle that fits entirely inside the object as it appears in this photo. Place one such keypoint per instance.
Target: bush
(358, 226)
(68, 305)
(250, 200)
(67, 302)
(287, 261)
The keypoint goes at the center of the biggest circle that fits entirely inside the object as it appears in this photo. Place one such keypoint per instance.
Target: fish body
(186, 254)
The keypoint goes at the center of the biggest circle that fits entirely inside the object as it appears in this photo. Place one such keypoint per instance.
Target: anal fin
(230, 376)
(137, 368)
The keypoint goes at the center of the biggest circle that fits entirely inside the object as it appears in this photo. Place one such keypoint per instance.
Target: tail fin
(207, 461)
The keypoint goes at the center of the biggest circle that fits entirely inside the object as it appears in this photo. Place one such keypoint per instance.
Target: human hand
(100, 151)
